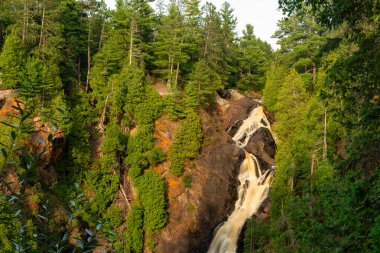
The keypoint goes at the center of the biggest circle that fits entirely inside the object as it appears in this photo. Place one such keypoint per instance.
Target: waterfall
(252, 191)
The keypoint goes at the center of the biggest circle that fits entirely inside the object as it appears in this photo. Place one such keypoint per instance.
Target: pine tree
(202, 85)
(229, 48)
(253, 61)
(74, 49)
(291, 108)
(291, 104)
(276, 75)
(12, 61)
(193, 19)
(106, 63)
(141, 25)
(31, 87)
(170, 46)
(211, 43)
(301, 39)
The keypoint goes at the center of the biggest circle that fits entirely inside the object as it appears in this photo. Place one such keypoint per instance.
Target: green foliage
(155, 156)
(274, 82)
(300, 38)
(257, 235)
(324, 198)
(12, 61)
(150, 108)
(107, 63)
(254, 56)
(186, 144)
(169, 46)
(187, 180)
(38, 84)
(135, 232)
(212, 37)
(133, 83)
(104, 181)
(138, 147)
(25, 227)
(80, 119)
(151, 194)
(175, 106)
(291, 105)
(115, 216)
(114, 141)
(227, 69)
(202, 85)
(105, 185)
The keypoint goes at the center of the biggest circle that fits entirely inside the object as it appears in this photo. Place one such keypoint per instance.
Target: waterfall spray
(252, 191)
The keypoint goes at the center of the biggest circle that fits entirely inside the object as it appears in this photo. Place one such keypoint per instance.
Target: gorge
(219, 178)
(252, 191)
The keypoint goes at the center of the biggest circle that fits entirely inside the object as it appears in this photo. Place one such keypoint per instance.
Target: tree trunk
(177, 71)
(171, 67)
(101, 126)
(79, 74)
(88, 54)
(42, 29)
(325, 136)
(176, 75)
(314, 75)
(102, 34)
(131, 40)
(206, 46)
(313, 158)
(26, 21)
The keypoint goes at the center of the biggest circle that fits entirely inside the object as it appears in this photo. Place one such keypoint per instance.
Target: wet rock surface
(263, 146)
(195, 212)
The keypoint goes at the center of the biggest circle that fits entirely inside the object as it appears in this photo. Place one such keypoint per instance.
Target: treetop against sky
(262, 14)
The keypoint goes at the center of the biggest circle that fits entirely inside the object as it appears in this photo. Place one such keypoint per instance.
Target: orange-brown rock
(195, 212)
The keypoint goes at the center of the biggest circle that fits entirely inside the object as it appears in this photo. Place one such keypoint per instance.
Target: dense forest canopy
(91, 74)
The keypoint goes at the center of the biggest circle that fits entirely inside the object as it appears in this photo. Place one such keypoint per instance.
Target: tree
(229, 48)
(73, 60)
(141, 23)
(151, 190)
(106, 63)
(170, 46)
(186, 144)
(9, 12)
(192, 20)
(211, 43)
(135, 232)
(275, 78)
(202, 85)
(301, 39)
(253, 61)
(12, 61)
(291, 104)
(290, 108)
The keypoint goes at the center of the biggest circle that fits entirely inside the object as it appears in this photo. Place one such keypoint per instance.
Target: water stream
(252, 191)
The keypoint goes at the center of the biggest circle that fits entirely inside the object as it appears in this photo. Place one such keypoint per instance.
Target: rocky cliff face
(46, 139)
(195, 212)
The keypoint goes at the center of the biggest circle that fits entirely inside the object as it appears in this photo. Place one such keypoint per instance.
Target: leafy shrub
(151, 194)
(186, 144)
(155, 156)
(174, 106)
(134, 232)
(187, 180)
(115, 216)
(150, 108)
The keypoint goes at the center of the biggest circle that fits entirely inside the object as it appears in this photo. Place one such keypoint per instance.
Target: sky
(262, 14)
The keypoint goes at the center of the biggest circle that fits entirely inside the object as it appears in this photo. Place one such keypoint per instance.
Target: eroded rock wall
(195, 212)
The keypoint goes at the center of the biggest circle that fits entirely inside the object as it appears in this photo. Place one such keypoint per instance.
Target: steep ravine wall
(195, 212)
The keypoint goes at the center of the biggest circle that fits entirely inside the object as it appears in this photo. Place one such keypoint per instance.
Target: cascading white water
(253, 189)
